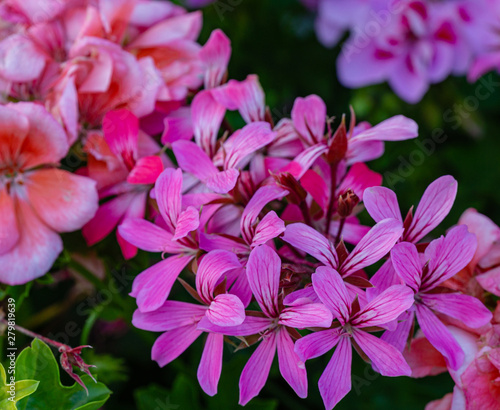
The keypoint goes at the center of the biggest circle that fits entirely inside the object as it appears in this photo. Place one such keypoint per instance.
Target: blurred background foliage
(275, 39)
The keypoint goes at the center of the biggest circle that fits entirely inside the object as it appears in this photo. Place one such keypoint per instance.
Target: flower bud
(347, 202)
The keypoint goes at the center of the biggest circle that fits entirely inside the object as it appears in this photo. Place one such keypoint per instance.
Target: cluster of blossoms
(409, 43)
(64, 66)
(259, 225)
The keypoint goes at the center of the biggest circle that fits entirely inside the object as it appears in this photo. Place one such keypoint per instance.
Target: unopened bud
(347, 202)
(297, 194)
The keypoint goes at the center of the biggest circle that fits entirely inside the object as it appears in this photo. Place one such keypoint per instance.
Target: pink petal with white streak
(374, 245)
(435, 204)
(464, 308)
(210, 366)
(440, 337)
(381, 203)
(152, 287)
(332, 291)
(255, 373)
(188, 221)
(335, 382)
(263, 273)
(291, 367)
(226, 310)
(309, 240)
(170, 345)
(385, 358)
(268, 228)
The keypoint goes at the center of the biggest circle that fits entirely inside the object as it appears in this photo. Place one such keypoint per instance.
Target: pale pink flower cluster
(65, 65)
(410, 44)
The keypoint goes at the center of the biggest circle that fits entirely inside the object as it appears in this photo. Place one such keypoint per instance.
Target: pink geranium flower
(263, 274)
(37, 200)
(180, 319)
(354, 324)
(442, 259)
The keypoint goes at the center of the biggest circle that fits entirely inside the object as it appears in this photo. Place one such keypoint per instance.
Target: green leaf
(22, 388)
(37, 362)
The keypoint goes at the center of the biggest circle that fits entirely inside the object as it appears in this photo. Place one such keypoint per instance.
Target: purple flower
(263, 274)
(180, 320)
(354, 323)
(442, 259)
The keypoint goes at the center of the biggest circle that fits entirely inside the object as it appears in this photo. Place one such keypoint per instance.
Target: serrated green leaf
(37, 362)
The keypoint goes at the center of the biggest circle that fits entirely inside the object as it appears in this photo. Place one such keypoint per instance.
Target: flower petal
(396, 128)
(193, 159)
(309, 240)
(168, 190)
(222, 182)
(188, 221)
(171, 315)
(210, 366)
(263, 273)
(309, 118)
(170, 345)
(35, 251)
(261, 198)
(335, 382)
(207, 115)
(152, 287)
(246, 141)
(268, 228)
(440, 337)
(214, 265)
(226, 310)
(448, 255)
(375, 244)
(9, 232)
(307, 315)
(63, 200)
(332, 291)
(148, 236)
(407, 264)
(255, 373)
(435, 204)
(215, 56)
(467, 309)
(381, 203)
(385, 358)
(385, 308)
(121, 130)
(146, 170)
(252, 325)
(317, 344)
(291, 367)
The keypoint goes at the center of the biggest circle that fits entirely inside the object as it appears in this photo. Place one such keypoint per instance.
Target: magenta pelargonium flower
(424, 273)
(354, 323)
(180, 319)
(274, 326)
(37, 200)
